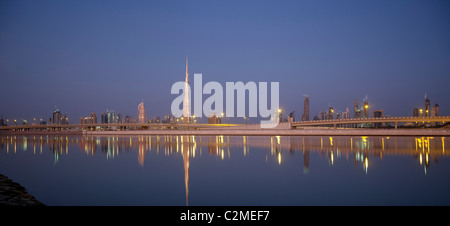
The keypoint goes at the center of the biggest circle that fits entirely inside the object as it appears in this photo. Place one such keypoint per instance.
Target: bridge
(112, 126)
(187, 126)
(383, 120)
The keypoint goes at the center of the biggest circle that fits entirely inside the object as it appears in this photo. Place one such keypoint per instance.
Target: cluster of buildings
(110, 117)
(59, 118)
(363, 112)
(426, 112)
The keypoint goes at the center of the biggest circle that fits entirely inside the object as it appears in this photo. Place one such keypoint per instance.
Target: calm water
(235, 170)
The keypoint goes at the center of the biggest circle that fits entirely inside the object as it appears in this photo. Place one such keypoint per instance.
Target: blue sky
(88, 56)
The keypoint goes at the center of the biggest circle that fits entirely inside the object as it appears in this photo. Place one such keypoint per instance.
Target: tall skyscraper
(110, 116)
(356, 110)
(141, 113)
(119, 118)
(104, 119)
(366, 108)
(427, 106)
(57, 117)
(186, 101)
(306, 109)
(416, 112)
(346, 114)
(330, 113)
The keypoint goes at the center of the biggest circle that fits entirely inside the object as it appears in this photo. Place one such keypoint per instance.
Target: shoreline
(249, 132)
(14, 194)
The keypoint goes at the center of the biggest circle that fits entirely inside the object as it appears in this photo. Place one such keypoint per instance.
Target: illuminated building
(435, 110)
(416, 112)
(321, 116)
(214, 120)
(110, 116)
(356, 110)
(305, 116)
(427, 106)
(186, 101)
(291, 116)
(104, 118)
(377, 114)
(346, 114)
(366, 109)
(141, 113)
(92, 119)
(64, 120)
(57, 117)
(119, 118)
(330, 113)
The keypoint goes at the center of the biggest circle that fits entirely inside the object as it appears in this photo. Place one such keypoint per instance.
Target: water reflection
(422, 148)
(359, 150)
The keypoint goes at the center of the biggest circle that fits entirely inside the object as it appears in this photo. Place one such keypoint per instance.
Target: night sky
(85, 56)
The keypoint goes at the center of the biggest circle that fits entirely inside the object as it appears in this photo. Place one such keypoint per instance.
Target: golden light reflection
(366, 163)
(351, 144)
(425, 149)
(332, 158)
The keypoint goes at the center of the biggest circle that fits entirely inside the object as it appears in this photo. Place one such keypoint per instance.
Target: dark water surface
(229, 170)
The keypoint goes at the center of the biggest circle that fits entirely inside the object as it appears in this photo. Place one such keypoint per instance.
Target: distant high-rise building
(436, 107)
(305, 116)
(214, 120)
(64, 120)
(110, 116)
(119, 118)
(356, 110)
(416, 112)
(346, 114)
(366, 109)
(141, 113)
(378, 114)
(427, 106)
(330, 113)
(104, 118)
(92, 119)
(321, 115)
(291, 116)
(57, 117)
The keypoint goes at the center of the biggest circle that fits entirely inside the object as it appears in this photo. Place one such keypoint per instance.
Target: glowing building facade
(141, 113)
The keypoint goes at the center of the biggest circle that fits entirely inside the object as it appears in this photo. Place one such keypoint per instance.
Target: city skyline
(393, 52)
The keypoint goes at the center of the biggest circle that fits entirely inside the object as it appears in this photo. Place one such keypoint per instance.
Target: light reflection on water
(264, 154)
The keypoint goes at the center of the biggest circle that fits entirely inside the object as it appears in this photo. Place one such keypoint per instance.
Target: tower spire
(187, 69)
